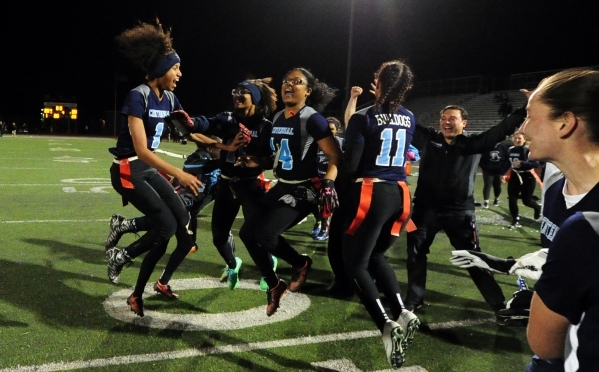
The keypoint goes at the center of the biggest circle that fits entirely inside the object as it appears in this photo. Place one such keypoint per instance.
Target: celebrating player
(380, 203)
(245, 154)
(297, 132)
(522, 181)
(135, 169)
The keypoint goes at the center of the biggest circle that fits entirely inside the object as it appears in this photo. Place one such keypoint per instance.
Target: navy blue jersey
(569, 286)
(386, 138)
(142, 102)
(520, 153)
(554, 207)
(496, 161)
(294, 141)
(226, 126)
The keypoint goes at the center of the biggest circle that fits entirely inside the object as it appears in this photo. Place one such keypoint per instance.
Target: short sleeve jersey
(386, 138)
(152, 111)
(226, 126)
(554, 207)
(569, 286)
(294, 141)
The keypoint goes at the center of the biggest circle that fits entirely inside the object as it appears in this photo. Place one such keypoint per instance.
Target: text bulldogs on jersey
(393, 119)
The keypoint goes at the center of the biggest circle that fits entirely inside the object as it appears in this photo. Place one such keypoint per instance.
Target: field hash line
(193, 352)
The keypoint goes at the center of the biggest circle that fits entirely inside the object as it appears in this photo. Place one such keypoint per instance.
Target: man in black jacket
(444, 198)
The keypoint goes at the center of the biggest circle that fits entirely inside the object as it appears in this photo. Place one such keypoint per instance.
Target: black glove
(517, 309)
(181, 121)
(305, 193)
(327, 200)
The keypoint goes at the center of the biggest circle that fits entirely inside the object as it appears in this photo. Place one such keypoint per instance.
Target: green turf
(55, 207)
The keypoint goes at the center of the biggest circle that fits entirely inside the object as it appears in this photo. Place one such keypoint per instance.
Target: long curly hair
(145, 43)
(321, 95)
(395, 78)
(268, 103)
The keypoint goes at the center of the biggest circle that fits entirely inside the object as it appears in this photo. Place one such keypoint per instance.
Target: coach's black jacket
(446, 174)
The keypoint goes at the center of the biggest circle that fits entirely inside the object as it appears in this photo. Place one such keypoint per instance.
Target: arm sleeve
(487, 140)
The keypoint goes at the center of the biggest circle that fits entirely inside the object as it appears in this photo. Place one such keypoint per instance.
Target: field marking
(219, 350)
(56, 221)
(292, 304)
(347, 365)
(192, 352)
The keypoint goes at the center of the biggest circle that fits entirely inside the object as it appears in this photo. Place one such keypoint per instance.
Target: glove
(327, 200)
(468, 258)
(245, 132)
(304, 193)
(181, 121)
(517, 310)
(530, 265)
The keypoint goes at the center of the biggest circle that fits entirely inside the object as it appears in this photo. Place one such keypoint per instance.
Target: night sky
(66, 48)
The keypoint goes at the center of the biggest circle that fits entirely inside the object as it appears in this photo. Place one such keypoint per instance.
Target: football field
(58, 310)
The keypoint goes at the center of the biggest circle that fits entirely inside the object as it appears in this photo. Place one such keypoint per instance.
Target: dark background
(65, 50)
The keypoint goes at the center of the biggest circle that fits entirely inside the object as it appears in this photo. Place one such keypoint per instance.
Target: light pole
(349, 49)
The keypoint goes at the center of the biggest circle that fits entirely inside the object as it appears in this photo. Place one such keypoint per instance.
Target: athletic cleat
(194, 249)
(225, 275)
(409, 323)
(116, 261)
(414, 306)
(316, 229)
(486, 205)
(263, 284)
(165, 289)
(322, 235)
(496, 202)
(119, 225)
(393, 339)
(298, 279)
(233, 275)
(537, 213)
(136, 304)
(515, 225)
(273, 297)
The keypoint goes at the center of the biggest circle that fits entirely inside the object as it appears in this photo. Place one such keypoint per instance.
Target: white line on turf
(334, 365)
(292, 305)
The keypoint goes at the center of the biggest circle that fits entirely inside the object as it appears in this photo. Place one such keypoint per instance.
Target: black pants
(524, 186)
(462, 231)
(156, 199)
(230, 197)
(364, 250)
(262, 231)
(491, 179)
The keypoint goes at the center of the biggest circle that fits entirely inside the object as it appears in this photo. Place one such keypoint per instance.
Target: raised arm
(351, 105)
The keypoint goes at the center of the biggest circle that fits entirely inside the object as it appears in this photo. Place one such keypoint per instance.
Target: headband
(254, 91)
(164, 63)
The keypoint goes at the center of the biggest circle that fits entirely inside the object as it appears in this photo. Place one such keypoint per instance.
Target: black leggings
(230, 197)
(156, 199)
(364, 251)
(490, 179)
(525, 186)
(261, 232)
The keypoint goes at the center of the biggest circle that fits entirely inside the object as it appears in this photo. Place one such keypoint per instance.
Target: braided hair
(395, 78)
(268, 101)
(144, 44)
(321, 94)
